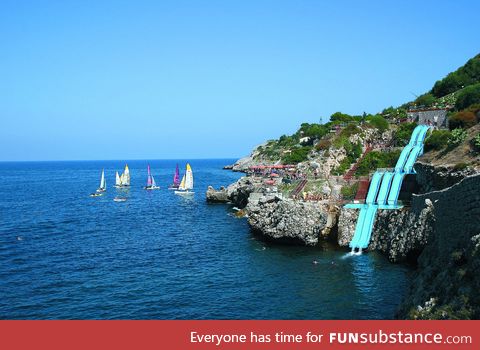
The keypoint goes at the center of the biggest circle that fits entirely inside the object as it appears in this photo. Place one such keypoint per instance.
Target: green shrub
(344, 118)
(349, 192)
(343, 138)
(457, 137)
(354, 151)
(460, 166)
(297, 155)
(315, 131)
(475, 109)
(468, 96)
(323, 145)
(437, 140)
(425, 100)
(378, 122)
(403, 133)
(287, 141)
(374, 160)
(466, 75)
(463, 119)
(343, 167)
(476, 143)
(349, 130)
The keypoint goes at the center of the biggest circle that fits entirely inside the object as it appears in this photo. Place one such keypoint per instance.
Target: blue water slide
(412, 158)
(374, 186)
(358, 228)
(403, 158)
(363, 230)
(395, 188)
(367, 227)
(385, 188)
(414, 137)
(421, 137)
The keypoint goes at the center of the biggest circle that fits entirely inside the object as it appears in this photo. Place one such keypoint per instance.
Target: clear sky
(210, 79)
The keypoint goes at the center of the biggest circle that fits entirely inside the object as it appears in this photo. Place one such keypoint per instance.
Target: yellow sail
(189, 178)
(182, 184)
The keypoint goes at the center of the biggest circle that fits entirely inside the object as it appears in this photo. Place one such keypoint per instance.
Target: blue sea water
(65, 255)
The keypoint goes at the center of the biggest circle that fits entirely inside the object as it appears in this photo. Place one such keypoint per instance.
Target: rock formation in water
(287, 221)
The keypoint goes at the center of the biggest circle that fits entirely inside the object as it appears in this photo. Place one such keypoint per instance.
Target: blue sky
(210, 79)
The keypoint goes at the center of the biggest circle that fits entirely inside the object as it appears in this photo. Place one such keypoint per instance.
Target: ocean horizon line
(115, 160)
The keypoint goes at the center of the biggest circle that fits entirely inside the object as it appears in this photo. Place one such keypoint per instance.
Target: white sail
(153, 181)
(102, 181)
(118, 181)
(189, 178)
(126, 176)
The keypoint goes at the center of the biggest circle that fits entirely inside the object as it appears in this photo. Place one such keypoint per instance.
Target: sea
(66, 255)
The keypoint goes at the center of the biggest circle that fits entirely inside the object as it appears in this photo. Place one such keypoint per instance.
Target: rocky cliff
(288, 221)
(447, 281)
(434, 178)
(400, 234)
(441, 231)
(236, 193)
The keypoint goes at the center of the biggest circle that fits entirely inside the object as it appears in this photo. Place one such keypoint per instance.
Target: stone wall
(447, 278)
(436, 117)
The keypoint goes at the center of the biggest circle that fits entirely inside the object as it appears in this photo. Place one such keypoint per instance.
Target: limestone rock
(288, 221)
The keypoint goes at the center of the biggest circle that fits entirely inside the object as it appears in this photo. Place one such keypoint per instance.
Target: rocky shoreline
(411, 234)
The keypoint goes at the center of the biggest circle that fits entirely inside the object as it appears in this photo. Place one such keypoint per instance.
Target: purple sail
(149, 178)
(176, 177)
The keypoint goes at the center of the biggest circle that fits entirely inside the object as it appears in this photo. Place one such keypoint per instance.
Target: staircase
(350, 173)
(299, 188)
(362, 190)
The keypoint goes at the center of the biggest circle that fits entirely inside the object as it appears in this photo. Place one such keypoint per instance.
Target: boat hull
(184, 193)
(150, 188)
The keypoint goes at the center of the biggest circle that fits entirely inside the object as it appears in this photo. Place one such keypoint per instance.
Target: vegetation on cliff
(375, 160)
(467, 75)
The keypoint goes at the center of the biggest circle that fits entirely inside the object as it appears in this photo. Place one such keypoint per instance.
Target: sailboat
(176, 180)
(151, 185)
(103, 182)
(187, 183)
(102, 188)
(118, 182)
(124, 179)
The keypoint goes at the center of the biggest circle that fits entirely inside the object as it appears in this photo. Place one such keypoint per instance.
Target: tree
(341, 117)
(404, 132)
(425, 100)
(379, 122)
(466, 75)
(468, 96)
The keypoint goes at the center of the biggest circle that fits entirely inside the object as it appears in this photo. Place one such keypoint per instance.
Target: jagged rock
(287, 220)
(220, 196)
(435, 178)
(346, 226)
(236, 193)
(400, 234)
